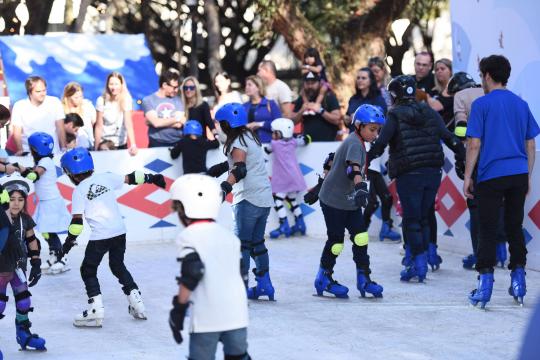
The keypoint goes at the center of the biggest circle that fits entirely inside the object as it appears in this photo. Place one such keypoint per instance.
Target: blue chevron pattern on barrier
(448, 233)
(162, 224)
(158, 165)
(447, 166)
(306, 210)
(528, 237)
(59, 171)
(305, 169)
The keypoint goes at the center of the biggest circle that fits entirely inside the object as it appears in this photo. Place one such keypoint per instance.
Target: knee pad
(336, 247)
(23, 302)
(255, 253)
(3, 301)
(244, 356)
(361, 239)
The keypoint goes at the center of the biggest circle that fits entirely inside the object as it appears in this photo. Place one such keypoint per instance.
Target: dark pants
(156, 143)
(337, 221)
(95, 250)
(417, 190)
(54, 242)
(491, 194)
(378, 189)
(432, 225)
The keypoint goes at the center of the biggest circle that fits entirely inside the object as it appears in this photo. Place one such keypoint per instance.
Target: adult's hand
(468, 188)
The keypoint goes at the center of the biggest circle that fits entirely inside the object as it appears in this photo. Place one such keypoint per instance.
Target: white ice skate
(46, 265)
(136, 305)
(59, 267)
(93, 317)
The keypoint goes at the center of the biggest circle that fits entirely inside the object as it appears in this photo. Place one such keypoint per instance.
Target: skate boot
(365, 285)
(59, 267)
(325, 282)
(46, 265)
(518, 288)
(501, 253)
(264, 287)
(136, 305)
(26, 339)
(299, 226)
(418, 268)
(407, 259)
(93, 317)
(469, 261)
(387, 232)
(434, 260)
(283, 229)
(482, 294)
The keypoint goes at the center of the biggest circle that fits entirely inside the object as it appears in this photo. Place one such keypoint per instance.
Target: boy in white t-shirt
(94, 197)
(210, 278)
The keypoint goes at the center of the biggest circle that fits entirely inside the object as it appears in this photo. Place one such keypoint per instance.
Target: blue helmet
(42, 143)
(234, 114)
(368, 114)
(193, 127)
(77, 161)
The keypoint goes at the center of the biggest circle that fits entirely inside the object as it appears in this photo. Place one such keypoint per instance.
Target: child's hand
(133, 150)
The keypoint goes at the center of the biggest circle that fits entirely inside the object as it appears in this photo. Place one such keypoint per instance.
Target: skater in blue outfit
(17, 243)
(343, 194)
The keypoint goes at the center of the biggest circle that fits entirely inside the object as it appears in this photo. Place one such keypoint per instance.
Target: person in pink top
(287, 179)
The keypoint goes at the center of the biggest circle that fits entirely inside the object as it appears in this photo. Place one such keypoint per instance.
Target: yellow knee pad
(45, 236)
(361, 239)
(337, 248)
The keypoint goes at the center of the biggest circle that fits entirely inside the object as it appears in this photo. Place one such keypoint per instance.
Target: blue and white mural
(510, 28)
(87, 59)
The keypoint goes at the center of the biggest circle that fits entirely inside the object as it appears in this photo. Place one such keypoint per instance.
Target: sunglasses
(189, 87)
(172, 86)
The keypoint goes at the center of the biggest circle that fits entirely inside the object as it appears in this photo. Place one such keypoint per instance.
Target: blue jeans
(249, 226)
(417, 190)
(202, 346)
(337, 220)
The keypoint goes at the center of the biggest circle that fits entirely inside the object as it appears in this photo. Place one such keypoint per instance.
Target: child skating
(94, 199)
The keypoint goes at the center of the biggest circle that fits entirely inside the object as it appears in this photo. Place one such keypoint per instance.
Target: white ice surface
(412, 321)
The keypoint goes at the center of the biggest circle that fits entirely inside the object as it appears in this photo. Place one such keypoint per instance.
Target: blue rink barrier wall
(147, 214)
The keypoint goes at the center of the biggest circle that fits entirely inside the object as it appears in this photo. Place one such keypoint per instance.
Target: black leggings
(378, 189)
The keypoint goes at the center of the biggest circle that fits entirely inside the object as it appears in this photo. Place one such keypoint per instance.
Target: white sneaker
(59, 267)
(93, 317)
(136, 306)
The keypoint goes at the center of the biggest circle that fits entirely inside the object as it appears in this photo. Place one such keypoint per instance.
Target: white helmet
(200, 195)
(286, 126)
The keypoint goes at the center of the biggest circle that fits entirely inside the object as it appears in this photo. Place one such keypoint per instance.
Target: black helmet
(461, 80)
(402, 87)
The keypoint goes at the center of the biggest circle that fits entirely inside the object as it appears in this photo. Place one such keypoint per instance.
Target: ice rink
(412, 321)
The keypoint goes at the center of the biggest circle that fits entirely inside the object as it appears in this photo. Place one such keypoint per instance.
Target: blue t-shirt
(502, 121)
(165, 108)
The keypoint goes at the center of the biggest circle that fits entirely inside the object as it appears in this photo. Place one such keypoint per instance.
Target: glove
(306, 139)
(4, 196)
(218, 169)
(267, 150)
(35, 272)
(460, 169)
(176, 319)
(312, 195)
(361, 194)
(226, 188)
(327, 162)
(68, 244)
(156, 179)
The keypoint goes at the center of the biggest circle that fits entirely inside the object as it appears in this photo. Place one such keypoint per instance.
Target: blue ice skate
(299, 226)
(264, 287)
(482, 294)
(407, 259)
(417, 269)
(325, 282)
(365, 285)
(518, 288)
(501, 253)
(283, 229)
(387, 232)
(469, 261)
(434, 260)
(26, 339)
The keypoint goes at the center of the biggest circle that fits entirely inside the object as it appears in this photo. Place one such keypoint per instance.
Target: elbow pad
(461, 129)
(192, 271)
(30, 251)
(351, 172)
(239, 170)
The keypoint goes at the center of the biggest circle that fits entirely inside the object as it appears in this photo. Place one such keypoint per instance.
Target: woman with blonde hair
(379, 68)
(442, 102)
(196, 108)
(73, 101)
(260, 110)
(114, 121)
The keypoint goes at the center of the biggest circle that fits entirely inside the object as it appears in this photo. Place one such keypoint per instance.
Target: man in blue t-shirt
(164, 112)
(501, 132)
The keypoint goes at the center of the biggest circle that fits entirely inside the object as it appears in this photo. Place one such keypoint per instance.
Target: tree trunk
(213, 28)
(68, 14)
(8, 14)
(39, 11)
(363, 37)
(79, 21)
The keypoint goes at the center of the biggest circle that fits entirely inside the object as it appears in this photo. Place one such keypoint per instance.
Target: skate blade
(479, 305)
(139, 316)
(519, 301)
(56, 272)
(333, 297)
(98, 323)
(33, 350)
(262, 300)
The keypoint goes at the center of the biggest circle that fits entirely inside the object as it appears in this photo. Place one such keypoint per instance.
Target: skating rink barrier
(148, 217)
